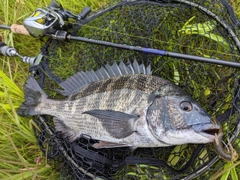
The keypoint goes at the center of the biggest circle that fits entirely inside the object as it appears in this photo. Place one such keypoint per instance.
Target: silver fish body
(123, 105)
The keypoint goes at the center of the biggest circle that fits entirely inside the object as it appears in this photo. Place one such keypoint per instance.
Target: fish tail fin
(33, 97)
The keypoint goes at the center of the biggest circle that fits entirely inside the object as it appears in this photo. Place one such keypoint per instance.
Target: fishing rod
(60, 36)
(50, 21)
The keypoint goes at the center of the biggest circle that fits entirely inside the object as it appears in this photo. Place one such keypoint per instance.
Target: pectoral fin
(117, 124)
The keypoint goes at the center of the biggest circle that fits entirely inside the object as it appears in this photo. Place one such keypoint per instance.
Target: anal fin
(60, 126)
(105, 144)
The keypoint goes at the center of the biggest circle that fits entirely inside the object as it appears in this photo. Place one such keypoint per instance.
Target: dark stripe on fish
(142, 82)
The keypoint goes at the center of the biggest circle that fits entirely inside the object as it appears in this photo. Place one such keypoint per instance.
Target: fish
(122, 105)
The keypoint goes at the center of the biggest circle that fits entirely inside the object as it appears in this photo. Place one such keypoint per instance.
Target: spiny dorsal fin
(81, 79)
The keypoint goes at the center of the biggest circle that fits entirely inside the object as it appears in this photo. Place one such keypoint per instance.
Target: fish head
(179, 119)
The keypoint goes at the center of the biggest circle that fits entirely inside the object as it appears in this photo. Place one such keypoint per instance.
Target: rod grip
(19, 29)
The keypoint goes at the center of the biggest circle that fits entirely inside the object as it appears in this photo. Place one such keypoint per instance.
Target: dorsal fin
(81, 79)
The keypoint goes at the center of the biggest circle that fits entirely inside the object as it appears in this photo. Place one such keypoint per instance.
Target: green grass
(20, 156)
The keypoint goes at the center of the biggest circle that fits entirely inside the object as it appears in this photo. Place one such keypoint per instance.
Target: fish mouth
(207, 130)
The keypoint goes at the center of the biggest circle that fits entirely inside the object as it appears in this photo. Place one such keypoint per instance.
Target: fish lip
(208, 130)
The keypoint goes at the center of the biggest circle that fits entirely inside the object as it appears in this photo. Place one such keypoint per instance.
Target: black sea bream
(123, 105)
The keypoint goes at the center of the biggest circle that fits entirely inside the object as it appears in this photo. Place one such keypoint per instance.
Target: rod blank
(158, 52)
(4, 27)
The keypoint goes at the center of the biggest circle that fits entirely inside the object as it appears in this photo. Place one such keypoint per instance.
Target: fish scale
(105, 100)
(119, 100)
(122, 105)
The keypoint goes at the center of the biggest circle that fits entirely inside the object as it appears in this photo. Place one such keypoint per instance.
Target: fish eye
(186, 106)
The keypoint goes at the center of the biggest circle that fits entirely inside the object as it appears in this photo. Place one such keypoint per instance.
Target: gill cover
(168, 113)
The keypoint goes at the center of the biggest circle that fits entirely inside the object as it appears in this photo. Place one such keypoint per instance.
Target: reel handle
(84, 13)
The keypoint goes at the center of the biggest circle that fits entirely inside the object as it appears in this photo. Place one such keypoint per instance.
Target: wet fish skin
(80, 122)
(175, 120)
(123, 109)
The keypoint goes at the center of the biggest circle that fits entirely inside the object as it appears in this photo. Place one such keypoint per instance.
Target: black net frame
(208, 29)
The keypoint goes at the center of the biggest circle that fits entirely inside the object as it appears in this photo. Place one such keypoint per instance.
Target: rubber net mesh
(201, 28)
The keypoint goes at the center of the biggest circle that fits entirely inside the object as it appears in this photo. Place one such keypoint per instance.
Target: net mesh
(202, 28)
